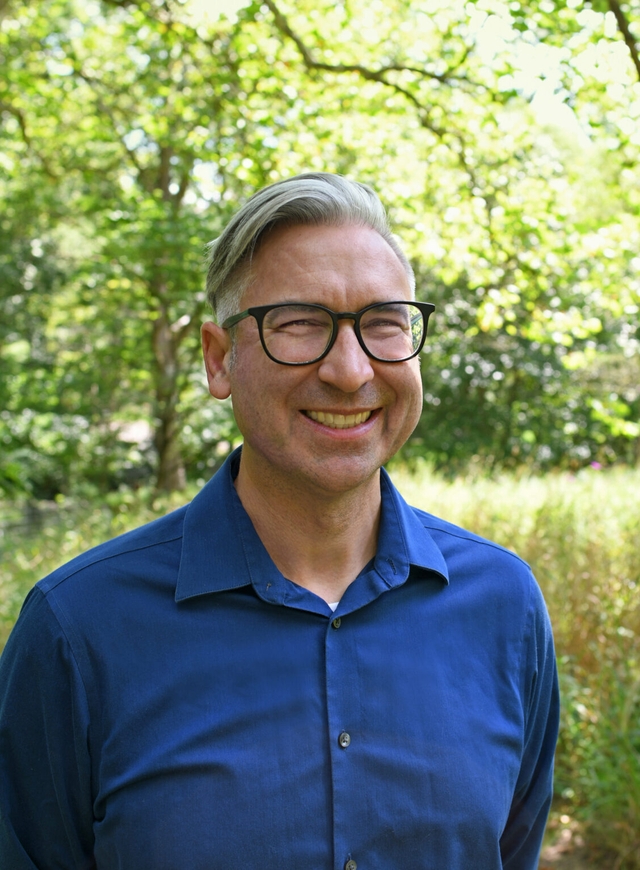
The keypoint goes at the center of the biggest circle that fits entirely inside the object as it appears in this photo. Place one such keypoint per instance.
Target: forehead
(337, 266)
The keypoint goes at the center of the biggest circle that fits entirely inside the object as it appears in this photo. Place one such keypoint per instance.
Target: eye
(296, 320)
(386, 322)
(389, 319)
(299, 324)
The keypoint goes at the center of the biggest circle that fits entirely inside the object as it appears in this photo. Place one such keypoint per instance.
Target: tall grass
(581, 535)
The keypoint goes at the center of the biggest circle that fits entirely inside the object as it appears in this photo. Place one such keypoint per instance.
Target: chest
(253, 737)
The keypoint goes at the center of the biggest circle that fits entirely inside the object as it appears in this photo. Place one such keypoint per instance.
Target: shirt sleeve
(522, 838)
(45, 780)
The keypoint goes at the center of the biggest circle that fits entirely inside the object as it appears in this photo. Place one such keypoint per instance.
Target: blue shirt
(171, 702)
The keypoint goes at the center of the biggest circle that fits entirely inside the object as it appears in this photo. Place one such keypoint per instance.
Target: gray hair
(310, 199)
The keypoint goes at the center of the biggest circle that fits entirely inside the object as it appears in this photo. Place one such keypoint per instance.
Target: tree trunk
(171, 474)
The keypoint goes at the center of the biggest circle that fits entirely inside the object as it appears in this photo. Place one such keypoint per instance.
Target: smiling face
(327, 426)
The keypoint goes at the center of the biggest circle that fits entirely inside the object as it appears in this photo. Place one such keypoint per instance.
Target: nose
(346, 366)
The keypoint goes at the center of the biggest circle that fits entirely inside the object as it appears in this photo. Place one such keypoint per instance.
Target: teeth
(339, 421)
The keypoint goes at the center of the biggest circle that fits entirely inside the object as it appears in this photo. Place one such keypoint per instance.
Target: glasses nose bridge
(349, 315)
(337, 316)
(346, 315)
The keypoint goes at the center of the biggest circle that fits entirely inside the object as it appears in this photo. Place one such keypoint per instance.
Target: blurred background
(504, 139)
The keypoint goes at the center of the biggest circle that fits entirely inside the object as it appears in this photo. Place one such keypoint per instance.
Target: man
(296, 669)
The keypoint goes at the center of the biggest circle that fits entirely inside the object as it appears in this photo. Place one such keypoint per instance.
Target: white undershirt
(334, 605)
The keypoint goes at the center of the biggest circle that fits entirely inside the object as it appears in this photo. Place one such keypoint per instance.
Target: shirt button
(344, 739)
(351, 865)
(337, 622)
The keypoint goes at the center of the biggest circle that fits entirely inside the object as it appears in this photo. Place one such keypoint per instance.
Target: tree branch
(377, 75)
(185, 180)
(18, 114)
(623, 27)
(284, 27)
(164, 171)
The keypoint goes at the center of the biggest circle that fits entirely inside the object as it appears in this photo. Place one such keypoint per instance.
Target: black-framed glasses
(297, 334)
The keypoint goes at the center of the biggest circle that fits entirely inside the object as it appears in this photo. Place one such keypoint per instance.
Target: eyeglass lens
(301, 333)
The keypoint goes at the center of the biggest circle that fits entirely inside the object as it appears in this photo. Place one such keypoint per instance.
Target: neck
(319, 540)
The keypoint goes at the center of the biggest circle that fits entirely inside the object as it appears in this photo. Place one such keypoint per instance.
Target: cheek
(258, 398)
(413, 385)
(245, 396)
(412, 390)
(416, 412)
(257, 421)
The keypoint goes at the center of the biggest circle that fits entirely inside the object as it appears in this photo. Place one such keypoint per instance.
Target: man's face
(282, 410)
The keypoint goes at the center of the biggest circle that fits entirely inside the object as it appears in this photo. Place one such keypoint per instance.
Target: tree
(536, 270)
(138, 127)
(137, 151)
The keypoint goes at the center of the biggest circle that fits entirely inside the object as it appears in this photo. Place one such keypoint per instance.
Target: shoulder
(455, 538)
(89, 598)
(476, 564)
(149, 543)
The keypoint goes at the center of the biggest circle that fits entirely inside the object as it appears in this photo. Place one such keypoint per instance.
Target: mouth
(339, 421)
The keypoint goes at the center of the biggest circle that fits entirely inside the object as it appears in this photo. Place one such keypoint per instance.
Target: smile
(339, 421)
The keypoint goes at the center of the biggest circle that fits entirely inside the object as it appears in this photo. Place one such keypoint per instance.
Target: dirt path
(567, 852)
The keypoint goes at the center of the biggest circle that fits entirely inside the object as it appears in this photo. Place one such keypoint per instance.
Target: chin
(346, 476)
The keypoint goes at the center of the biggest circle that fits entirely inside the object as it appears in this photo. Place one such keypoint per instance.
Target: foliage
(504, 140)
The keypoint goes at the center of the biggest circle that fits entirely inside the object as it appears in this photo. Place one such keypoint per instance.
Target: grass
(581, 535)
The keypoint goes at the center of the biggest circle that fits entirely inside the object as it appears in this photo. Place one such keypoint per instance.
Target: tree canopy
(503, 138)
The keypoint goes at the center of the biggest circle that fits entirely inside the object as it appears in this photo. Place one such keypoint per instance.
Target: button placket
(343, 709)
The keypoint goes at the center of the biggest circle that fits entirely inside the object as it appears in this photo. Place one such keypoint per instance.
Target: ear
(216, 348)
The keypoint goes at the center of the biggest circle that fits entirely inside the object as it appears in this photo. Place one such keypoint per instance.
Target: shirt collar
(403, 542)
(221, 549)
